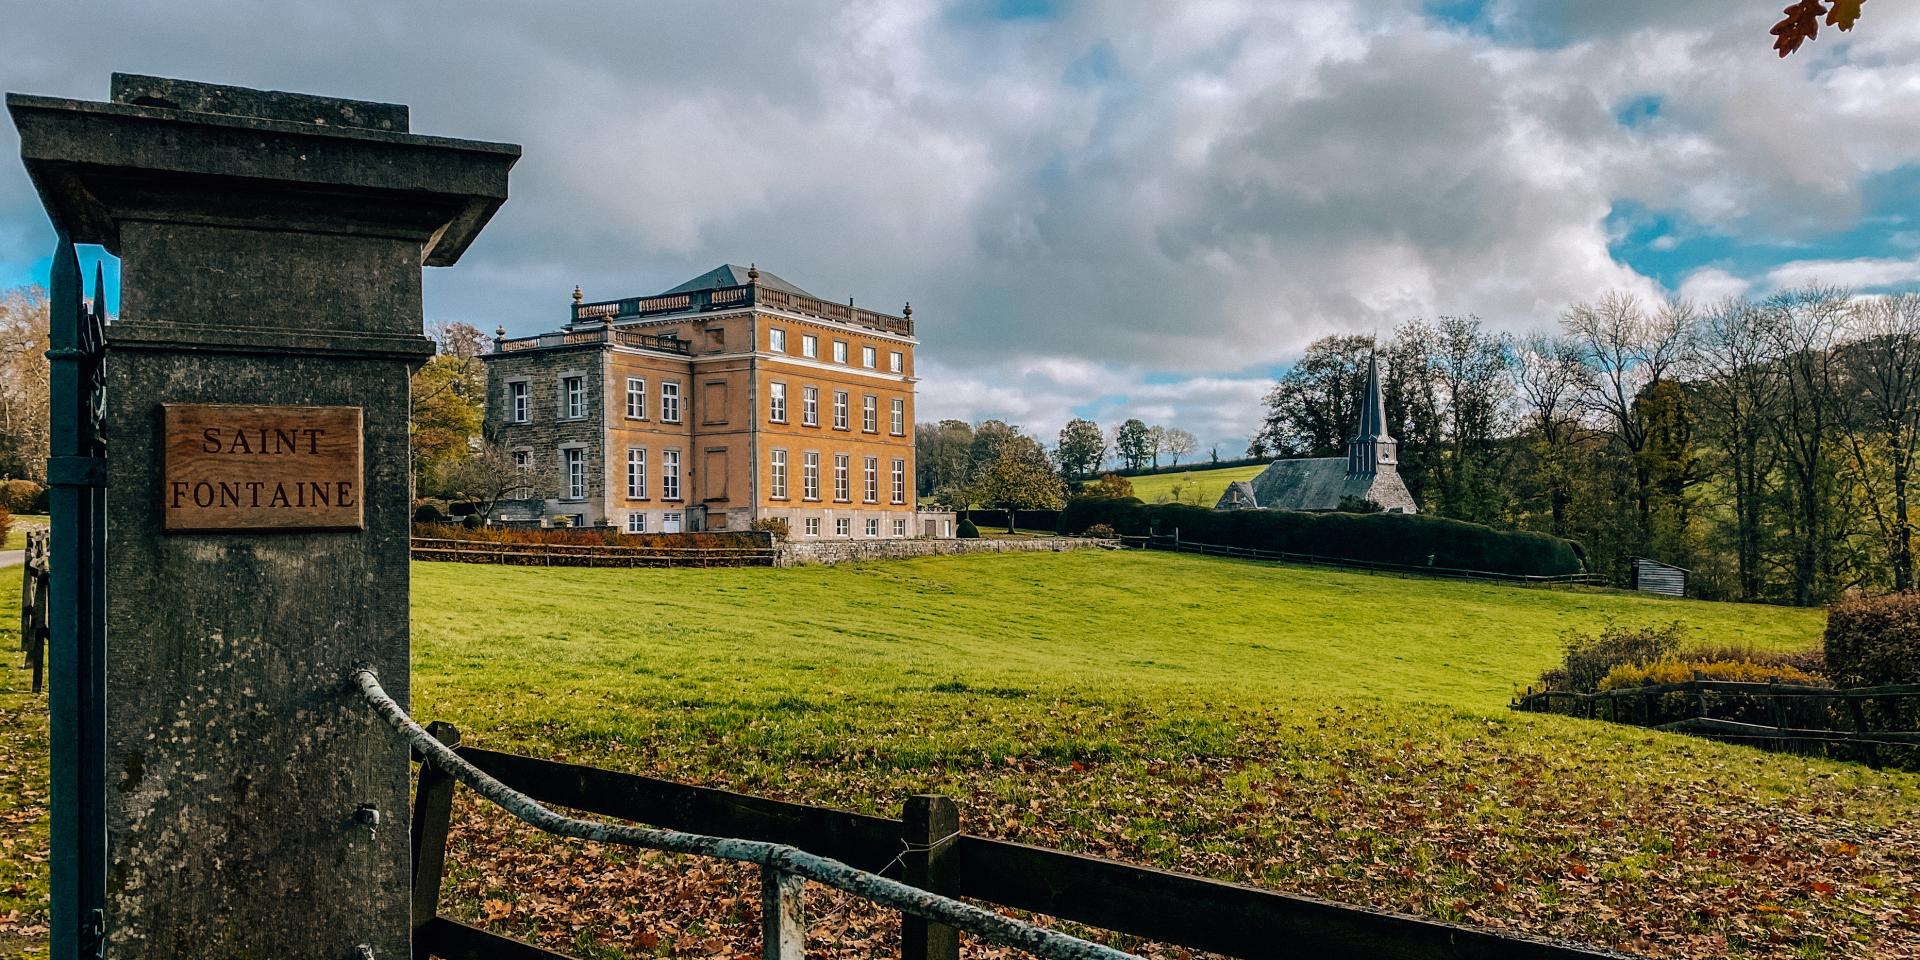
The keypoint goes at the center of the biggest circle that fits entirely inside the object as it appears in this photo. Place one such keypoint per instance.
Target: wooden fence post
(783, 915)
(929, 825)
(432, 816)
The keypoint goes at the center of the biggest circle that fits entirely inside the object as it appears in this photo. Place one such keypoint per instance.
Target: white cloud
(1709, 285)
(1863, 274)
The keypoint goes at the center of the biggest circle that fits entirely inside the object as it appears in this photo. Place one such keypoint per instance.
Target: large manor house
(731, 398)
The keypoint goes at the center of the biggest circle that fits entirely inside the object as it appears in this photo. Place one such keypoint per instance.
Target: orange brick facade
(711, 408)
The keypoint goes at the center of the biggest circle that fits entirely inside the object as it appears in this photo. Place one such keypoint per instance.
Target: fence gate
(76, 658)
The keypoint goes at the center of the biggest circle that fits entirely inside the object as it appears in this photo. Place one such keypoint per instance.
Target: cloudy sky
(1106, 209)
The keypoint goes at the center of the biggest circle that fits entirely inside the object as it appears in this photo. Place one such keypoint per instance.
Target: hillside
(1201, 486)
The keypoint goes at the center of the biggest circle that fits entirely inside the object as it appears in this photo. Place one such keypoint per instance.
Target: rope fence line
(779, 863)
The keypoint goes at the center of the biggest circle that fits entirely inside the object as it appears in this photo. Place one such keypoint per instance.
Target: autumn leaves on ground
(1319, 732)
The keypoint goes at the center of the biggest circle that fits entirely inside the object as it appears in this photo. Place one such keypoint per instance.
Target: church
(1370, 472)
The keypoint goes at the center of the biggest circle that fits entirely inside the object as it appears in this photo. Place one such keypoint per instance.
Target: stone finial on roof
(577, 295)
(753, 273)
(500, 331)
(907, 311)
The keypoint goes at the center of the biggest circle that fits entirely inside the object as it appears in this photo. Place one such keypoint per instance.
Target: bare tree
(1737, 371)
(1805, 328)
(1626, 350)
(1882, 397)
(24, 381)
(1548, 381)
(1179, 443)
(486, 478)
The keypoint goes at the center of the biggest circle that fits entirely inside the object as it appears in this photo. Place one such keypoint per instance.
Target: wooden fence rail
(926, 843)
(588, 555)
(36, 582)
(1174, 542)
(1780, 716)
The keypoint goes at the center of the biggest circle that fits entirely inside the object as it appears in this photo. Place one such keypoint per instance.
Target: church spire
(1372, 450)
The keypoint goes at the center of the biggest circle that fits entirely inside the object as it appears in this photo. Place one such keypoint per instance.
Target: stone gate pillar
(257, 486)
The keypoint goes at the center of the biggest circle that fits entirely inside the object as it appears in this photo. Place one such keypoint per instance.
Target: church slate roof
(734, 275)
(1321, 483)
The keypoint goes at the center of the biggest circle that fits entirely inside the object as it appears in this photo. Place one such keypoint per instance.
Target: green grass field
(1201, 486)
(16, 538)
(1315, 731)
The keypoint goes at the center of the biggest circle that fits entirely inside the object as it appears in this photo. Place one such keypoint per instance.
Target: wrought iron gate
(76, 689)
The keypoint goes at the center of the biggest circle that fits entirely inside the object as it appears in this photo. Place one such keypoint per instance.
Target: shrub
(23, 496)
(1872, 641)
(1588, 658)
(1811, 660)
(1671, 670)
(1110, 486)
(428, 513)
(1099, 531)
(775, 525)
(1397, 538)
(472, 522)
(6, 523)
(966, 530)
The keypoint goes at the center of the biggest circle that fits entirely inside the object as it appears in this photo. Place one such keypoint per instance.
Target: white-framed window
(810, 406)
(870, 479)
(518, 409)
(810, 475)
(636, 473)
(897, 361)
(776, 340)
(636, 398)
(670, 522)
(574, 461)
(842, 483)
(777, 474)
(870, 413)
(523, 459)
(873, 527)
(636, 522)
(869, 357)
(670, 401)
(839, 409)
(670, 475)
(899, 481)
(573, 397)
(811, 526)
(897, 422)
(842, 526)
(839, 351)
(810, 346)
(777, 402)
(899, 528)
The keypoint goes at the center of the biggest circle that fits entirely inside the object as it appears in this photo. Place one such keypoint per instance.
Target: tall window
(898, 420)
(810, 475)
(810, 406)
(636, 522)
(870, 413)
(870, 480)
(523, 462)
(896, 361)
(777, 474)
(868, 356)
(842, 484)
(873, 527)
(670, 401)
(670, 474)
(810, 346)
(899, 528)
(839, 351)
(576, 466)
(776, 340)
(899, 481)
(517, 407)
(777, 402)
(636, 473)
(839, 409)
(636, 398)
(573, 397)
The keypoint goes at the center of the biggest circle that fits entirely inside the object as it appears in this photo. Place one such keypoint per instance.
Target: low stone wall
(850, 551)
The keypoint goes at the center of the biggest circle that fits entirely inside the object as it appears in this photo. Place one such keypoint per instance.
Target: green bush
(428, 513)
(777, 526)
(1396, 538)
(23, 496)
(1588, 658)
(1661, 672)
(1871, 641)
(966, 530)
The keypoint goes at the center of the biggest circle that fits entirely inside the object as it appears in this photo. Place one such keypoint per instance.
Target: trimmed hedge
(1874, 641)
(1411, 540)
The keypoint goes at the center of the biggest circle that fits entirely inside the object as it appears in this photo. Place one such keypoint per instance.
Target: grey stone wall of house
(268, 259)
(546, 433)
(804, 553)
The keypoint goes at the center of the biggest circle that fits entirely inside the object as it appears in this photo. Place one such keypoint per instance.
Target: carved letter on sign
(236, 467)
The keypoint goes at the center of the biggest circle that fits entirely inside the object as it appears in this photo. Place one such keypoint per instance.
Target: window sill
(632, 499)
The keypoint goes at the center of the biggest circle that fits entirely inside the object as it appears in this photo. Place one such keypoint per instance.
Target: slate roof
(733, 275)
(1320, 483)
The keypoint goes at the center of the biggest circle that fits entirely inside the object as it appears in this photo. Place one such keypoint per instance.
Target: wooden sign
(237, 467)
